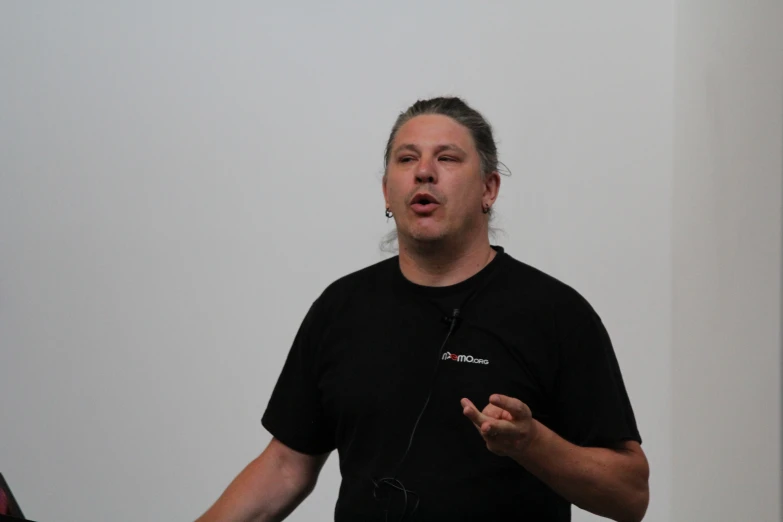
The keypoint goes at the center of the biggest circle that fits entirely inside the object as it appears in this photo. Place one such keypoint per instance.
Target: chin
(426, 235)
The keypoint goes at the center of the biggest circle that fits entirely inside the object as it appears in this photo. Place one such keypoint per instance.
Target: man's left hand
(506, 424)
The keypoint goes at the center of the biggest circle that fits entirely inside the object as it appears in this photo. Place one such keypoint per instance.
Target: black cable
(393, 481)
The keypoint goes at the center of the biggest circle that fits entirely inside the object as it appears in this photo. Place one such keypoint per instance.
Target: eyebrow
(438, 149)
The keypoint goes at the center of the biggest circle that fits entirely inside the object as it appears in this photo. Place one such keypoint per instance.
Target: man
(456, 382)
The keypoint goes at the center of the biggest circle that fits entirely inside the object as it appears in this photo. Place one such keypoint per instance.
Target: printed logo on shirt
(448, 356)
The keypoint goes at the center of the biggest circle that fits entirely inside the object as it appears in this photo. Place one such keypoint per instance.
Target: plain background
(179, 180)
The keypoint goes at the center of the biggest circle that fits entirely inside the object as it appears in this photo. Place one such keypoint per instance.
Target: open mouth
(424, 203)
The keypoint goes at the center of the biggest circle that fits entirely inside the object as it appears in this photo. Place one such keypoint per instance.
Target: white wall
(179, 181)
(726, 363)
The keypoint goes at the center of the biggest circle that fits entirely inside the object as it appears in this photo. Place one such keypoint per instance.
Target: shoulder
(372, 276)
(369, 281)
(533, 288)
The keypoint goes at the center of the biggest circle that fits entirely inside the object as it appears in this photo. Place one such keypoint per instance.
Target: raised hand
(506, 424)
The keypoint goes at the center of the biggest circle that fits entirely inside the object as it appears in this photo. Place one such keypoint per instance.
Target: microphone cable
(392, 481)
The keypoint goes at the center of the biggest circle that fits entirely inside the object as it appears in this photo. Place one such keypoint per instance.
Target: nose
(425, 172)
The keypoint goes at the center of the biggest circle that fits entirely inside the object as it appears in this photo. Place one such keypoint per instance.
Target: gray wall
(728, 166)
(178, 182)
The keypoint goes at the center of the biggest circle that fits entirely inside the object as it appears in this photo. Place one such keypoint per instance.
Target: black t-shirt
(369, 353)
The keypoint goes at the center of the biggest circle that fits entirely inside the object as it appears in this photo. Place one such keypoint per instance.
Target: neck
(440, 264)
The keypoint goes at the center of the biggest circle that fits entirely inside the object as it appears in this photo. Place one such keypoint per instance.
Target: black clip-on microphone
(451, 320)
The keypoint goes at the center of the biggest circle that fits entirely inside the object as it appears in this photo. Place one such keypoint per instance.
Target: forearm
(607, 482)
(263, 492)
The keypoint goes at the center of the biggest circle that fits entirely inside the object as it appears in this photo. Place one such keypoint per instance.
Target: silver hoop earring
(389, 214)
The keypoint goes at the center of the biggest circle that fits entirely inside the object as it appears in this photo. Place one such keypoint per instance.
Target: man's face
(433, 182)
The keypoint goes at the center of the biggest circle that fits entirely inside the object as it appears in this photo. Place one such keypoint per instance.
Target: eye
(447, 158)
(406, 159)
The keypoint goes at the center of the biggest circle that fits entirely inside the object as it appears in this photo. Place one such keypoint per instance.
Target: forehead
(432, 130)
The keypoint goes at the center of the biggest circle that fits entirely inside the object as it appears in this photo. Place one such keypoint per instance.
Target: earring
(486, 209)
(389, 213)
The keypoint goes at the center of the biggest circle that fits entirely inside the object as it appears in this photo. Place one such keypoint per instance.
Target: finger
(493, 430)
(472, 413)
(516, 408)
(489, 427)
(496, 413)
(489, 430)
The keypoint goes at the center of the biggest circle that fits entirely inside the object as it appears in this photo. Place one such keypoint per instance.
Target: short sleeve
(592, 407)
(295, 414)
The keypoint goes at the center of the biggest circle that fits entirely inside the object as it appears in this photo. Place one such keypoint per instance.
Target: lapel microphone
(452, 319)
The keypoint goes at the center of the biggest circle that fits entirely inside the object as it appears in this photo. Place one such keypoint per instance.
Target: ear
(385, 191)
(491, 188)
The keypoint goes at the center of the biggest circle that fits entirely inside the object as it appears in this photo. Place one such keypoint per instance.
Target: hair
(459, 111)
(462, 113)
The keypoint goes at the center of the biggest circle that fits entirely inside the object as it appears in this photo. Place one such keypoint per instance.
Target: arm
(607, 482)
(269, 488)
